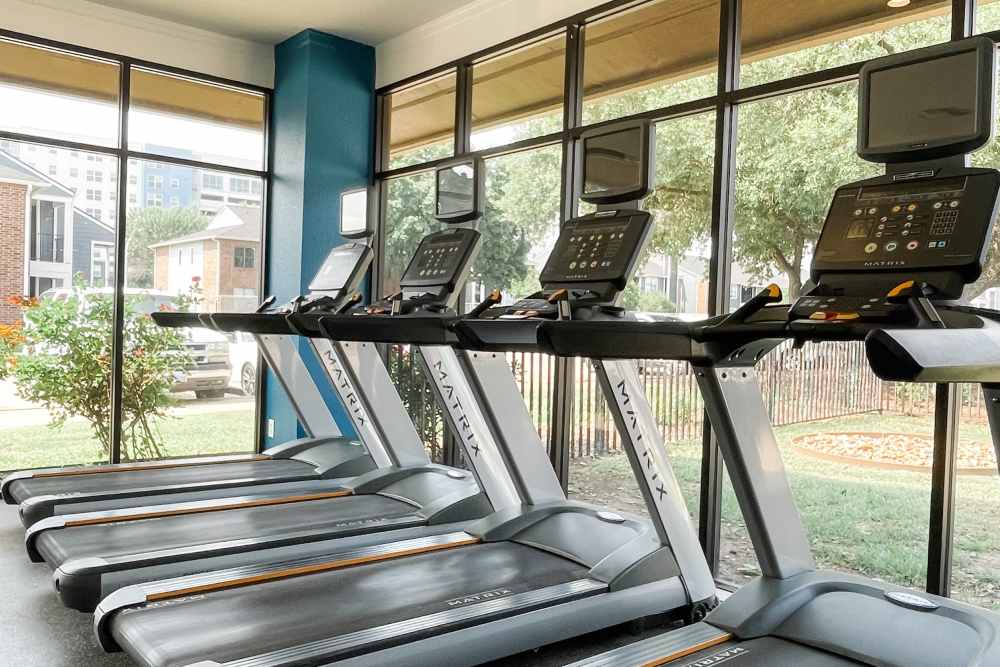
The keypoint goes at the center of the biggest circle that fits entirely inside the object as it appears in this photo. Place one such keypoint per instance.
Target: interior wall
(95, 26)
(476, 26)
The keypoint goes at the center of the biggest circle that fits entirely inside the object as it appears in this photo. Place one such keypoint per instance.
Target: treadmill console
(440, 258)
(930, 224)
(342, 268)
(602, 247)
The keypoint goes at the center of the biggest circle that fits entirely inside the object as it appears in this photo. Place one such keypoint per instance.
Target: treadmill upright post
(503, 403)
(463, 410)
(736, 409)
(285, 362)
(619, 380)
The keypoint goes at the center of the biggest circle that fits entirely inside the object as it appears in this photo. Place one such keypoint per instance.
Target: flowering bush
(61, 358)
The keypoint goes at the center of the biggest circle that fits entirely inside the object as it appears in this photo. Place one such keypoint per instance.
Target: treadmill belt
(132, 537)
(123, 481)
(243, 622)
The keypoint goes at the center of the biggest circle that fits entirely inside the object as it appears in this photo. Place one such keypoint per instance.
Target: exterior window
(94, 195)
(240, 185)
(243, 258)
(212, 181)
(74, 172)
(133, 179)
(95, 176)
(53, 170)
(39, 286)
(95, 213)
(175, 183)
(132, 199)
(154, 181)
(256, 187)
(48, 228)
(102, 260)
(154, 199)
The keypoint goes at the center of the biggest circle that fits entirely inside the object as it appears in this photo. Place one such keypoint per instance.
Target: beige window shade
(652, 43)
(422, 114)
(520, 84)
(774, 27)
(57, 72)
(151, 91)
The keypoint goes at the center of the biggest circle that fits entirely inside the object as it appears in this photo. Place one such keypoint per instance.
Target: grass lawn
(859, 519)
(205, 433)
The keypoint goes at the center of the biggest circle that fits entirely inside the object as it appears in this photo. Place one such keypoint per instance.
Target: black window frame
(725, 105)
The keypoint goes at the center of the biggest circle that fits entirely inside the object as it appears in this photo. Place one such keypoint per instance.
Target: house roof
(232, 223)
(13, 169)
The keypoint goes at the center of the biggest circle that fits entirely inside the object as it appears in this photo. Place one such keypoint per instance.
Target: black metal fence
(798, 385)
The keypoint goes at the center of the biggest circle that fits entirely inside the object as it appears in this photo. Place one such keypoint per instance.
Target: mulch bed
(893, 450)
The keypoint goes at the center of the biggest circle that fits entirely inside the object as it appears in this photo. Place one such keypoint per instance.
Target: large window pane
(422, 122)
(55, 94)
(840, 429)
(651, 56)
(673, 278)
(180, 117)
(783, 38)
(519, 95)
(409, 216)
(187, 252)
(793, 152)
(987, 15)
(56, 274)
(975, 571)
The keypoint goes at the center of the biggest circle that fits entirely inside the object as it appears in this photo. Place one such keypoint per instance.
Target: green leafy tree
(146, 226)
(61, 359)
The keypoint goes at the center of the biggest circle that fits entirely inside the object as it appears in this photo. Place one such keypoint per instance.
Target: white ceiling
(271, 21)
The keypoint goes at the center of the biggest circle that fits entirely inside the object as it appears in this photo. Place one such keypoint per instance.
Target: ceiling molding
(471, 28)
(135, 35)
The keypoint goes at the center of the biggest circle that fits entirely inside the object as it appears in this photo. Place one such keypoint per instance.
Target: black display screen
(919, 103)
(612, 162)
(338, 268)
(456, 189)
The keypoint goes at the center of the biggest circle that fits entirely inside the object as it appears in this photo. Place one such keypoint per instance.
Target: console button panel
(930, 223)
(600, 247)
(440, 257)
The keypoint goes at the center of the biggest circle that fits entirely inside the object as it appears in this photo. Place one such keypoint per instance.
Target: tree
(146, 226)
(61, 359)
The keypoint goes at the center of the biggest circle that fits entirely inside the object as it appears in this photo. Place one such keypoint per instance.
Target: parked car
(209, 375)
(243, 359)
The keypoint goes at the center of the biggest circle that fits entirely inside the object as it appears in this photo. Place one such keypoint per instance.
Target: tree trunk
(794, 284)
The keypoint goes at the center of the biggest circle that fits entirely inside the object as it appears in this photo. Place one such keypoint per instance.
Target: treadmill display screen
(929, 101)
(338, 268)
(597, 248)
(440, 258)
(612, 162)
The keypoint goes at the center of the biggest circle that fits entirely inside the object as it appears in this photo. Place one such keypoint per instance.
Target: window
(95, 213)
(243, 258)
(519, 95)
(779, 41)
(239, 185)
(74, 172)
(48, 231)
(177, 116)
(154, 181)
(256, 187)
(175, 183)
(409, 217)
(422, 122)
(95, 176)
(56, 94)
(39, 286)
(175, 201)
(132, 198)
(94, 195)
(154, 199)
(212, 181)
(650, 56)
(53, 170)
(133, 179)
(102, 263)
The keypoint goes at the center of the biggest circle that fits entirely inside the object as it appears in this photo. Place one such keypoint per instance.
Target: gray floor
(40, 632)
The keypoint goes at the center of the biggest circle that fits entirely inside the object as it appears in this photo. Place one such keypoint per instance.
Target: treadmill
(894, 257)
(540, 569)
(324, 452)
(95, 553)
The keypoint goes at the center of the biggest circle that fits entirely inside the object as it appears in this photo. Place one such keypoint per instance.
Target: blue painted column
(322, 133)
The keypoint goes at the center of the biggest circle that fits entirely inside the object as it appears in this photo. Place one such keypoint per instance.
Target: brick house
(224, 257)
(38, 249)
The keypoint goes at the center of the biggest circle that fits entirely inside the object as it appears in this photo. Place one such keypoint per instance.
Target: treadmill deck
(336, 614)
(261, 523)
